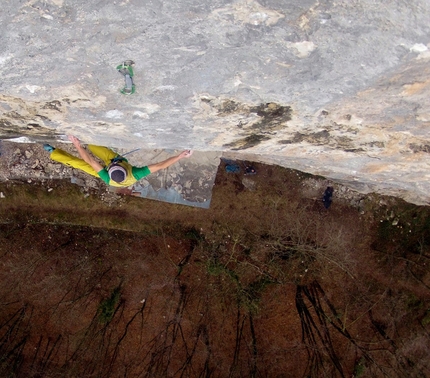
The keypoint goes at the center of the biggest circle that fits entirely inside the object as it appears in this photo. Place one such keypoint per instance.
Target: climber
(117, 171)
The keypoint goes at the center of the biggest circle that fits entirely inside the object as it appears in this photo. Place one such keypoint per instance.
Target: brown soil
(266, 283)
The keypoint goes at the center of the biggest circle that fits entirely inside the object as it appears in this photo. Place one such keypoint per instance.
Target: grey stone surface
(336, 88)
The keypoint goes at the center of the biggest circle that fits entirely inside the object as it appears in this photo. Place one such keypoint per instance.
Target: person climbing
(117, 170)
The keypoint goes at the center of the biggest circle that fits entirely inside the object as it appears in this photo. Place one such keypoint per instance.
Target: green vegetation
(359, 368)
(426, 319)
(108, 306)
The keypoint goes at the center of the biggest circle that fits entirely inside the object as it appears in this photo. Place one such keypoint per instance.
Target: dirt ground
(265, 283)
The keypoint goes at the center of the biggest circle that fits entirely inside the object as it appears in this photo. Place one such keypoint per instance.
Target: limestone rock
(334, 88)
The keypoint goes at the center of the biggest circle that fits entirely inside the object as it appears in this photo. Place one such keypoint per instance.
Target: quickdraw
(127, 70)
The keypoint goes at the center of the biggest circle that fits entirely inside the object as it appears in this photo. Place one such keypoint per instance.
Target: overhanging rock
(338, 89)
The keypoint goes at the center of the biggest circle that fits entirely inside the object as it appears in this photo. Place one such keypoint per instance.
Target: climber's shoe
(48, 147)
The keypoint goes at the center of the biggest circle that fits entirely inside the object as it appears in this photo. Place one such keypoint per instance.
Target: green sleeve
(140, 172)
(104, 175)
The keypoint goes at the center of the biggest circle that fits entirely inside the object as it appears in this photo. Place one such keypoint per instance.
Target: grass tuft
(107, 307)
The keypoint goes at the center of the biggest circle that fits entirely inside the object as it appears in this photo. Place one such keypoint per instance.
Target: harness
(120, 158)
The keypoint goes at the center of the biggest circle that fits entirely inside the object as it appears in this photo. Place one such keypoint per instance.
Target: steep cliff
(334, 88)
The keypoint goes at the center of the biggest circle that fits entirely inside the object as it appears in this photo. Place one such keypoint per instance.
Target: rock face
(335, 88)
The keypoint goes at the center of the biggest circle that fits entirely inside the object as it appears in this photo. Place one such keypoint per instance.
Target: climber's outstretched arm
(168, 162)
